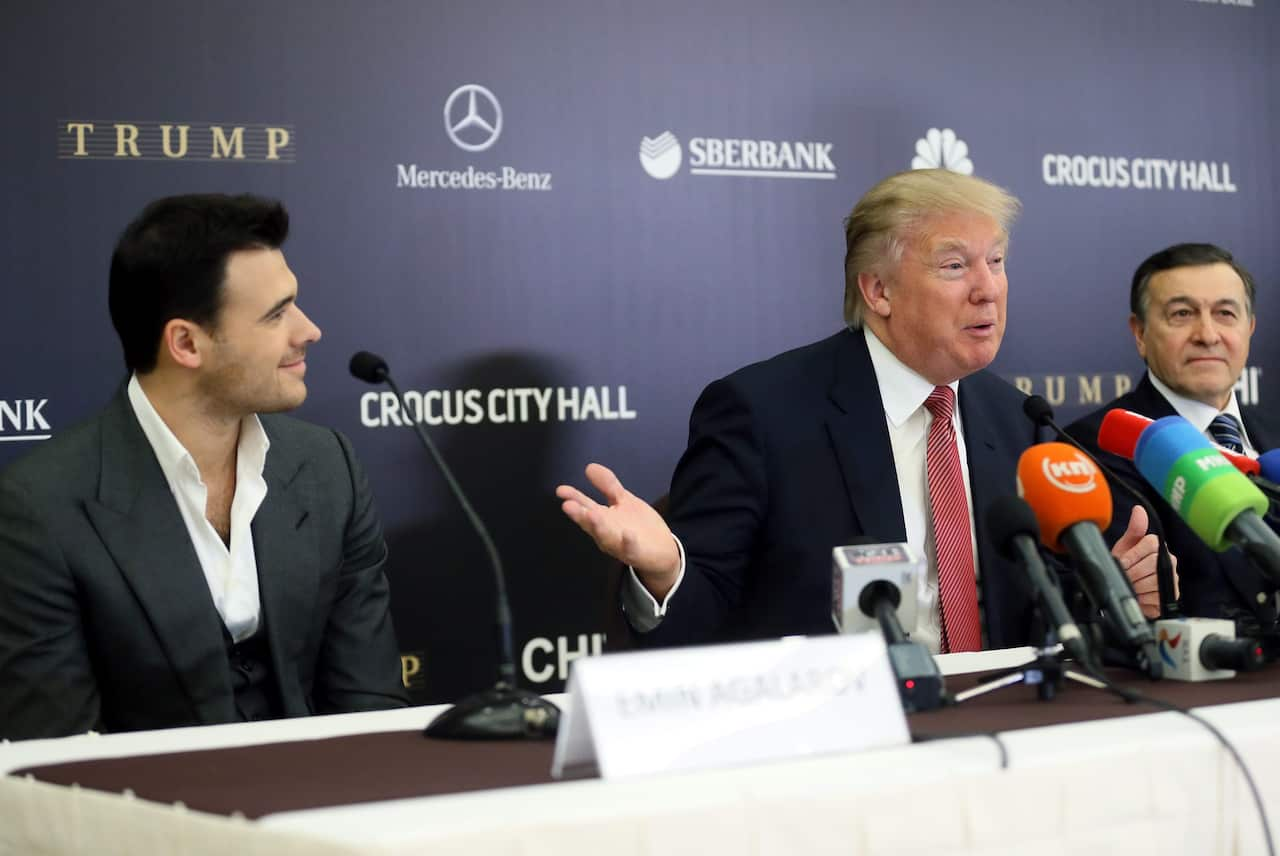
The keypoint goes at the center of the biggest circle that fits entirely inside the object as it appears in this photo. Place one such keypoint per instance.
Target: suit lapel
(992, 466)
(860, 438)
(1146, 399)
(286, 552)
(138, 521)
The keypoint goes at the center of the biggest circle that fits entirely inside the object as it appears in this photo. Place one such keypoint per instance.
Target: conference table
(1001, 774)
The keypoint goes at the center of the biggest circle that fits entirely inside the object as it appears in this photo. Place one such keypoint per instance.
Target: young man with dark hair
(188, 556)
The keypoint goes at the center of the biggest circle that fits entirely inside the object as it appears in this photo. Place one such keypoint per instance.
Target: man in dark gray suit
(183, 557)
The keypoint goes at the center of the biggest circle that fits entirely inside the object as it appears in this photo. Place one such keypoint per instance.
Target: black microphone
(505, 711)
(920, 682)
(1014, 529)
(1072, 501)
(1041, 413)
(1238, 655)
(875, 571)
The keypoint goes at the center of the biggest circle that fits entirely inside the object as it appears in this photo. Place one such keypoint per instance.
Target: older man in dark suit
(890, 429)
(189, 556)
(1191, 315)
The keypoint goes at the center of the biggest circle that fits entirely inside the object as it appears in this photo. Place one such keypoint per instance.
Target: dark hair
(1184, 255)
(171, 262)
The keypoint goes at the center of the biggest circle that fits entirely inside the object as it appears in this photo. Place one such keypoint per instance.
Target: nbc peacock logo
(942, 149)
(661, 155)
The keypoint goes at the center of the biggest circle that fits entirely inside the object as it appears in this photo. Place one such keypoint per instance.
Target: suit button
(1262, 597)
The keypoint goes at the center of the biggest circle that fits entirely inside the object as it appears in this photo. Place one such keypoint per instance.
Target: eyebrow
(951, 244)
(1184, 299)
(277, 306)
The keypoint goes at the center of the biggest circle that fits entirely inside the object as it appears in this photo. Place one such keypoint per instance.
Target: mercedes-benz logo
(482, 122)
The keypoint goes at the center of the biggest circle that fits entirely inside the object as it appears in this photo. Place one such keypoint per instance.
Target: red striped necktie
(961, 625)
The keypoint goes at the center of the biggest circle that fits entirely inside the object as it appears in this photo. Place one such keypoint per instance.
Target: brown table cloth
(277, 777)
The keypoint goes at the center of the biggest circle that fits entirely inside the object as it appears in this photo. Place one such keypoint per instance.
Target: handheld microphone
(1072, 504)
(505, 711)
(1205, 649)
(1269, 477)
(1039, 412)
(1121, 429)
(873, 576)
(1218, 503)
(1014, 529)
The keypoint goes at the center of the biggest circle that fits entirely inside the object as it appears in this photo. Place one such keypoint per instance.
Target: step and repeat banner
(558, 221)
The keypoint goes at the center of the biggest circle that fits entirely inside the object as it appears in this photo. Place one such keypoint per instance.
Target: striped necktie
(957, 582)
(1225, 431)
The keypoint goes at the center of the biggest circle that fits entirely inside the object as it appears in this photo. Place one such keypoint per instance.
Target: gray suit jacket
(106, 620)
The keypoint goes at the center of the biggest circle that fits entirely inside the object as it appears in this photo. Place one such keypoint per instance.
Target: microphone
(1211, 496)
(1072, 504)
(1121, 429)
(505, 711)
(1039, 412)
(1205, 649)
(879, 573)
(1269, 478)
(1014, 529)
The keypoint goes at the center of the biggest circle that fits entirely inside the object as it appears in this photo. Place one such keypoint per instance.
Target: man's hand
(627, 528)
(1137, 552)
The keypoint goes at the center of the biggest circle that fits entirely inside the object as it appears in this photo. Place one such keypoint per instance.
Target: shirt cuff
(644, 613)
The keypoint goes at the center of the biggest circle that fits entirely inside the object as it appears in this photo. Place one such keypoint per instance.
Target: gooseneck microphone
(1039, 412)
(1014, 529)
(1072, 504)
(504, 711)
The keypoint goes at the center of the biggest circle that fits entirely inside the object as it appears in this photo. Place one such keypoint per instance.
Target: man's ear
(184, 343)
(875, 293)
(1139, 331)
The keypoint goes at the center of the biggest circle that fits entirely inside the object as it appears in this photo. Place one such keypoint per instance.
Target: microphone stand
(504, 711)
(1046, 673)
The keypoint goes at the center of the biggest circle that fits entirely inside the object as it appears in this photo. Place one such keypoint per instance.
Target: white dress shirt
(231, 571)
(903, 393)
(1200, 414)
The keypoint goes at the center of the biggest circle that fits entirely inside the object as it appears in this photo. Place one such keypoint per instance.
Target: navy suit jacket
(1212, 584)
(791, 457)
(106, 619)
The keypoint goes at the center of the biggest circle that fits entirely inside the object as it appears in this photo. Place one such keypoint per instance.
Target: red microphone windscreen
(1121, 428)
(1063, 488)
(1120, 432)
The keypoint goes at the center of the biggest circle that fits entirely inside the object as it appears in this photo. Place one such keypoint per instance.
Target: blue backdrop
(559, 220)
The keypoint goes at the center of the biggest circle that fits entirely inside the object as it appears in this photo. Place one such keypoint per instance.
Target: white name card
(723, 705)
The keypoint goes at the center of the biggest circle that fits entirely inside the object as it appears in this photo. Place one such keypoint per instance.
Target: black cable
(1131, 696)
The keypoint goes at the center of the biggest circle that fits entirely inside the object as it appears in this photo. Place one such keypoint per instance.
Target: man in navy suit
(813, 448)
(1192, 317)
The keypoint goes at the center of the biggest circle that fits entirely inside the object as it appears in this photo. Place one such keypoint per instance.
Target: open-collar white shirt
(230, 570)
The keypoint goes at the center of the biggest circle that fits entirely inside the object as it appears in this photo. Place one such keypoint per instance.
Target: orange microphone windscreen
(1063, 487)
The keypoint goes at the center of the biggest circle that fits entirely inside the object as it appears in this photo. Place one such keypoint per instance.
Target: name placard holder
(723, 705)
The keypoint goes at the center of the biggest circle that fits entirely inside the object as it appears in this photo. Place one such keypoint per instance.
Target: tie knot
(941, 402)
(1226, 432)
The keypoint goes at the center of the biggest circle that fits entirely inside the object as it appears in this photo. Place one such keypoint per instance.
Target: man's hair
(1183, 255)
(877, 230)
(171, 261)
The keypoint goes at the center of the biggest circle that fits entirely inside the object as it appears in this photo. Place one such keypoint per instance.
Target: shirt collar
(1197, 413)
(902, 390)
(251, 452)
